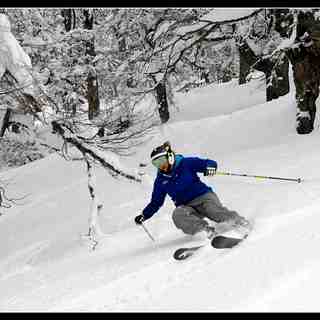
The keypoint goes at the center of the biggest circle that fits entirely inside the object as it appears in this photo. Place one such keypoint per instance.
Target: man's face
(161, 163)
(165, 166)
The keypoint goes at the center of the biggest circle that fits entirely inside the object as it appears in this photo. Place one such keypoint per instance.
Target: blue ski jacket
(182, 183)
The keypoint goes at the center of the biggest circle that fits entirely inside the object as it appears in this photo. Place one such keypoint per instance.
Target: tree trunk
(276, 72)
(161, 95)
(226, 77)
(88, 25)
(92, 79)
(205, 76)
(244, 66)
(5, 122)
(93, 94)
(69, 19)
(282, 20)
(306, 75)
(304, 57)
(278, 80)
(122, 45)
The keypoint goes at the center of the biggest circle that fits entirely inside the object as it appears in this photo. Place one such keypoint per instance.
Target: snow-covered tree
(303, 51)
(74, 128)
(257, 42)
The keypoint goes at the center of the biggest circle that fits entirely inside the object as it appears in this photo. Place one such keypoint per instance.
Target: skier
(194, 200)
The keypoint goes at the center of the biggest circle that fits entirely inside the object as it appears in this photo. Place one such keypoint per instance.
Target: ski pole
(258, 177)
(147, 232)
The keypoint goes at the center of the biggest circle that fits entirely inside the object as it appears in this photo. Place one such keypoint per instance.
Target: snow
(226, 14)
(163, 28)
(217, 15)
(45, 265)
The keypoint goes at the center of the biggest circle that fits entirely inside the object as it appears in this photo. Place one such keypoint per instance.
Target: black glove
(211, 171)
(139, 219)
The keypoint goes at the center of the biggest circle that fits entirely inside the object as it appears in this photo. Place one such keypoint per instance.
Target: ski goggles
(158, 162)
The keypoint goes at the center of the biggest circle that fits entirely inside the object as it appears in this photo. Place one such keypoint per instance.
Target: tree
(170, 45)
(69, 16)
(267, 32)
(75, 129)
(274, 67)
(92, 79)
(303, 54)
(160, 85)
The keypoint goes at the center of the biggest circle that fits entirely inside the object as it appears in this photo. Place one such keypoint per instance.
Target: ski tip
(222, 242)
(184, 253)
(180, 254)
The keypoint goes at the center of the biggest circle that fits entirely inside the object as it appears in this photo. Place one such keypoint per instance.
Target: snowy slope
(44, 266)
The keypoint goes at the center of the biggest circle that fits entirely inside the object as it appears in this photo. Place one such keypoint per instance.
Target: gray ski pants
(190, 217)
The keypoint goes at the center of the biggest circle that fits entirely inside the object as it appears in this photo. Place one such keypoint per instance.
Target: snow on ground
(218, 15)
(226, 14)
(45, 266)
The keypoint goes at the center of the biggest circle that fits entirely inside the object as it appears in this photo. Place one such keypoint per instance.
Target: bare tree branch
(87, 150)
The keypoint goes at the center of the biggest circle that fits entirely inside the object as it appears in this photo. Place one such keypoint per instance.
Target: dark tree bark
(276, 72)
(304, 57)
(161, 95)
(69, 19)
(121, 39)
(160, 89)
(277, 81)
(5, 122)
(281, 19)
(88, 25)
(244, 66)
(226, 77)
(278, 84)
(93, 94)
(92, 79)
(205, 76)
(88, 19)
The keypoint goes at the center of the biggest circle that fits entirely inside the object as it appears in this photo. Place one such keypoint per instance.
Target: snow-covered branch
(107, 160)
(205, 30)
(5, 201)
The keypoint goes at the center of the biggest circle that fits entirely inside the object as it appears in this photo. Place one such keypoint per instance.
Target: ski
(222, 242)
(218, 242)
(184, 253)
